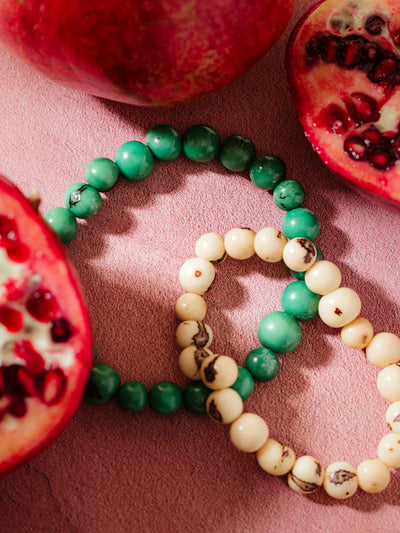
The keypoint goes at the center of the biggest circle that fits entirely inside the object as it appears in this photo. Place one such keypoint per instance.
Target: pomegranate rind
(21, 439)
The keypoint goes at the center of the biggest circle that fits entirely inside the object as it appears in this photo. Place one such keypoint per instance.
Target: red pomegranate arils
(335, 118)
(11, 318)
(372, 136)
(361, 108)
(34, 362)
(374, 25)
(17, 406)
(381, 160)
(60, 330)
(382, 71)
(50, 386)
(42, 305)
(355, 147)
(18, 252)
(26, 381)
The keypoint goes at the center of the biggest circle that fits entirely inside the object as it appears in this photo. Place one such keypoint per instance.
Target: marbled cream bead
(219, 371)
(224, 406)
(299, 254)
(388, 382)
(191, 306)
(307, 475)
(249, 432)
(323, 277)
(269, 244)
(340, 480)
(191, 359)
(373, 476)
(211, 247)
(383, 349)
(357, 333)
(339, 307)
(197, 275)
(193, 332)
(389, 450)
(239, 243)
(275, 458)
(393, 416)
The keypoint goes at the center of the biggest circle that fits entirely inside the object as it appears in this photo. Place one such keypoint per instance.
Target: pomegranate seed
(42, 305)
(19, 253)
(362, 108)
(372, 136)
(354, 146)
(26, 382)
(60, 330)
(11, 318)
(34, 362)
(335, 118)
(383, 70)
(50, 386)
(8, 228)
(374, 25)
(381, 160)
(17, 406)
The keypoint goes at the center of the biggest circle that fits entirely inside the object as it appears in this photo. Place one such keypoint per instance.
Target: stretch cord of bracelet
(219, 386)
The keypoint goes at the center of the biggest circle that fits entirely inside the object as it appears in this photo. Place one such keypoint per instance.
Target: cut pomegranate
(343, 65)
(45, 339)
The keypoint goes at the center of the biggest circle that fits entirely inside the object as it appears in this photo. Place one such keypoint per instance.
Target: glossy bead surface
(383, 349)
(165, 398)
(237, 153)
(301, 222)
(267, 171)
(63, 222)
(244, 384)
(190, 306)
(299, 254)
(195, 397)
(165, 142)
(134, 160)
(263, 364)
(339, 307)
(190, 360)
(358, 333)
(280, 332)
(340, 480)
(389, 450)
(373, 476)
(249, 432)
(275, 458)
(219, 371)
(388, 383)
(301, 275)
(307, 475)
(210, 246)
(299, 301)
(201, 143)
(103, 383)
(193, 332)
(323, 277)
(392, 416)
(288, 194)
(269, 244)
(132, 396)
(224, 406)
(239, 243)
(196, 275)
(102, 173)
(82, 200)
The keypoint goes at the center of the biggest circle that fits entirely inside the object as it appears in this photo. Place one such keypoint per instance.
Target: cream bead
(211, 246)
(219, 371)
(299, 254)
(388, 383)
(249, 432)
(323, 277)
(383, 349)
(340, 480)
(373, 476)
(393, 417)
(357, 333)
(190, 306)
(269, 244)
(307, 475)
(239, 243)
(339, 307)
(190, 360)
(275, 458)
(193, 332)
(389, 450)
(197, 275)
(224, 406)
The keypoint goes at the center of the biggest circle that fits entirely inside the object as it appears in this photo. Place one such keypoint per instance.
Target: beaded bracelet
(337, 306)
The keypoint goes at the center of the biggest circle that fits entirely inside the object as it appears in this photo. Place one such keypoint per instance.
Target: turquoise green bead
(280, 332)
(201, 143)
(63, 222)
(244, 384)
(301, 275)
(299, 301)
(132, 396)
(195, 397)
(134, 160)
(82, 200)
(267, 171)
(165, 142)
(103, 383)
(288, 195)
(263, 364)
(300, 222)
(237, 153)
(102, 173)
(165, 398)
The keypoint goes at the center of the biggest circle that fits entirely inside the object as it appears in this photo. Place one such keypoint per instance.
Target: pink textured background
(115, 472)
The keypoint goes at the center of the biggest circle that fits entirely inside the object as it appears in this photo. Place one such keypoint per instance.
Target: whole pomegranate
(343, 64)
(45, 341)
(156, 53)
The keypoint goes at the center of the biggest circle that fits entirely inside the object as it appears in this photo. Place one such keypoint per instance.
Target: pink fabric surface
(111, 471)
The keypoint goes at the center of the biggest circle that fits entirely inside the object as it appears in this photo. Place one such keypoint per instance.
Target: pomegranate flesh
(45, 339)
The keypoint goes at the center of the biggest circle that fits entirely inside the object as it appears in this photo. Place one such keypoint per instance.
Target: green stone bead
(201, 143)
(301, 275)
(102, 173)
(263, 364)
(288, 195)
(103, 383)
(63, 222)
(195, 397)
(165, 398)
(165, 142)
(299, 301)
(244, 384)
(267, 171)
(300, 222)
(280, 332)
(82, 200)
(132, 396)
(237, 153)
(135, 160)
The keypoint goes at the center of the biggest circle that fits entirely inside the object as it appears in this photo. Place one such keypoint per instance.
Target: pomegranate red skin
(44, 422)
(144, 52)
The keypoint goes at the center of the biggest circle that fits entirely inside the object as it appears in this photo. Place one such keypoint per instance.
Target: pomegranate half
(343, 65)
(45, 340)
